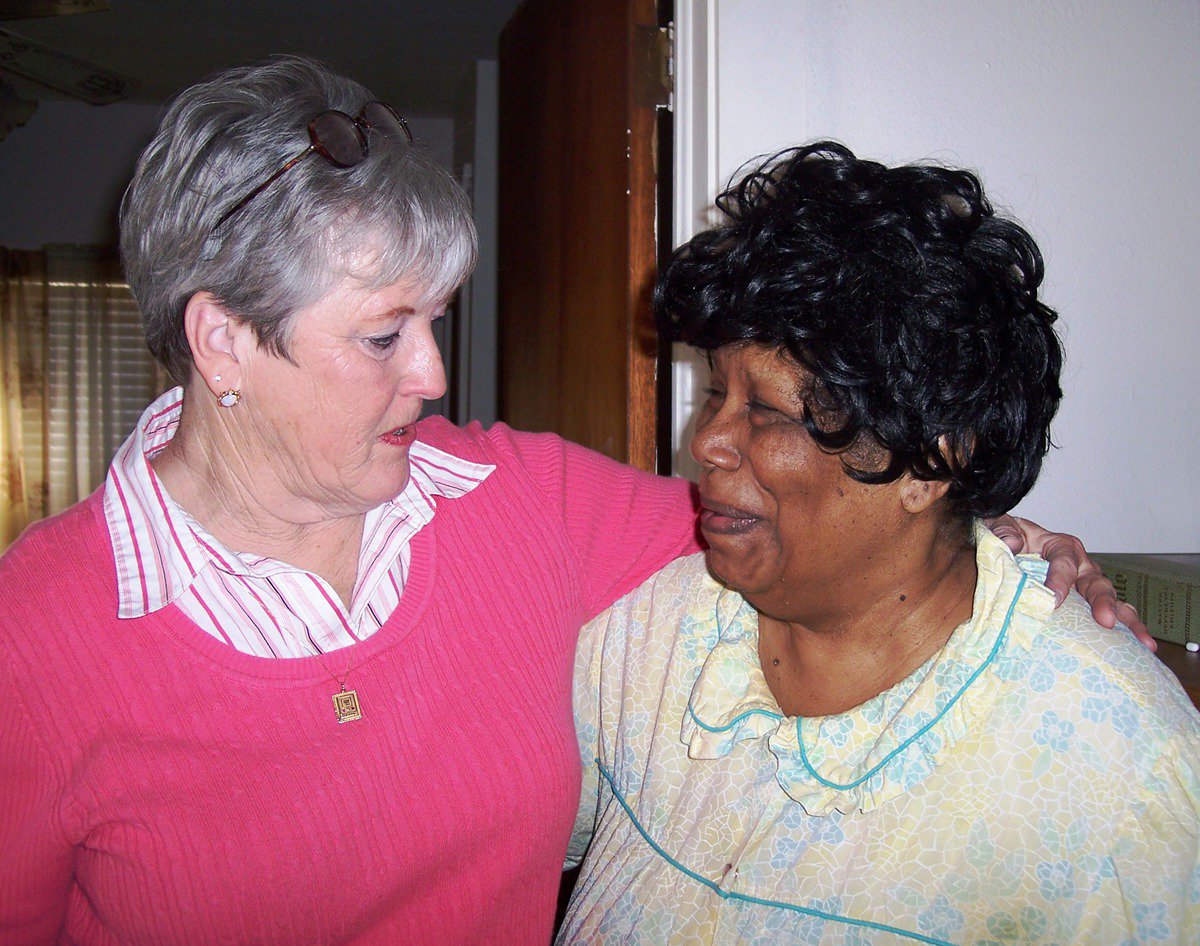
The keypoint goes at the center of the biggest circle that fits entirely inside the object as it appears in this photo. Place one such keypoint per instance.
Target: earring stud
(229, 398)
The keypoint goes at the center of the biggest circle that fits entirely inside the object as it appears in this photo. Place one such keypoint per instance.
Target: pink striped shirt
(259, 605)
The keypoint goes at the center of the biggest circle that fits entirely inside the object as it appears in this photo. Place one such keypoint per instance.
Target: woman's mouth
(400, 436)
(719, 519)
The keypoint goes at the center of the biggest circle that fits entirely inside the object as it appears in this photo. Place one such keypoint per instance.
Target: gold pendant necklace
(345, 705)
(345, 702)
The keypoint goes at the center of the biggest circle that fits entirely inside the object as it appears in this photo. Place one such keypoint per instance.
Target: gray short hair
(397, 210)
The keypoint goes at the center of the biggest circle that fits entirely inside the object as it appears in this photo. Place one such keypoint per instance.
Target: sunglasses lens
(336, 136)
(385, 120)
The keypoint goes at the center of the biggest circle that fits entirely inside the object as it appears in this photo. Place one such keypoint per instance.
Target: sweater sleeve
(35, 856)
(622, 524)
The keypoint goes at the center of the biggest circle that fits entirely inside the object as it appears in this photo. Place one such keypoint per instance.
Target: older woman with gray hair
(300, 671)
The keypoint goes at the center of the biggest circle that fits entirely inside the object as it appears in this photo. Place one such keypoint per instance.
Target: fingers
(1127, 615)
(1099, 593)
(1107, 609)
(1007, 529)
(1071, 567)
(1066, 557)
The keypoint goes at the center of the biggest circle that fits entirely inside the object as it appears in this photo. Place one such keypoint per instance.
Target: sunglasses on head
(339, 139)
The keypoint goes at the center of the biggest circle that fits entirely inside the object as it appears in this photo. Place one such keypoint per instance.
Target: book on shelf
(1165, 589)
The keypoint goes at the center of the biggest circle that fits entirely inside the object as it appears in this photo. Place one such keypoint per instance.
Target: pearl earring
(229, 398)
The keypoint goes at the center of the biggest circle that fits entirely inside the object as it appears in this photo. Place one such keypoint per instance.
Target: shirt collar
(891, 743)
(159, 549)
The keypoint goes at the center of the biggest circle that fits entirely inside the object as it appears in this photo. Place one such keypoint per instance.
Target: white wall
(1084, 123)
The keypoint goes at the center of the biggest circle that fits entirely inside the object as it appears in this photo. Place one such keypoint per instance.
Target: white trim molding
(695, 171)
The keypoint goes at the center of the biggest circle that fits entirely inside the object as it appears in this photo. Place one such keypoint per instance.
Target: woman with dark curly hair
(857, 717)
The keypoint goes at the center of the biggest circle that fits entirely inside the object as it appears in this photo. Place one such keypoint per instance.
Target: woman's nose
(713, 445)
(426, 372)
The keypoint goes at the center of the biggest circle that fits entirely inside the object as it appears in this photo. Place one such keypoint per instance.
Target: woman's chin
(728, 570)
(385, 482)
(394, 470)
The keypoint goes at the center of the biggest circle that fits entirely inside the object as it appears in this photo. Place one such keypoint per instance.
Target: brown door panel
(577, 226)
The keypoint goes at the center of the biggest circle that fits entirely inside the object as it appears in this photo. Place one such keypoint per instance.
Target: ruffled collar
(881, 749)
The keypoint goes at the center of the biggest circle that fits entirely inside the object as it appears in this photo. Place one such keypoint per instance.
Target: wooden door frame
(570, 175)
(644, 360)
(659, 385)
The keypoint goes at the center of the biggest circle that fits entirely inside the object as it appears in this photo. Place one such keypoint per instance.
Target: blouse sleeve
(35, 857)
(587, 694)
(1151, 892)
(622, 524)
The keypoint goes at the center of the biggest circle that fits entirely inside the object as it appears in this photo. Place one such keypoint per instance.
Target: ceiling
(413, 53)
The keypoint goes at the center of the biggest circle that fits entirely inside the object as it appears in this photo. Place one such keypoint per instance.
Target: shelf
(1184, 665)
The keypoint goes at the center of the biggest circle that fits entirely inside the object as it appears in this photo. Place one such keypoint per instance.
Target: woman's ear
(916, 496)
(212, 334)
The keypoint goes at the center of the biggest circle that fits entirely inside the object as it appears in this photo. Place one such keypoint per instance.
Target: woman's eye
(384, 342)
(766, 413)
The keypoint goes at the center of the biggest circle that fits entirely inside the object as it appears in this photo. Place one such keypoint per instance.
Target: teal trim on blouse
(928, 726)
(746, 898)
(907, 742)
(733, 722)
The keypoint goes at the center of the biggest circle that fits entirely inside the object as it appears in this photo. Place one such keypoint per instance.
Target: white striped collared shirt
(259, 605)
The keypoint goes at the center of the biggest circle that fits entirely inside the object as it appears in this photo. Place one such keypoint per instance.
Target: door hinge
(655, 66)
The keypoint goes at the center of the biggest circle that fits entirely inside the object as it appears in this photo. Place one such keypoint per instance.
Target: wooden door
(577, 237)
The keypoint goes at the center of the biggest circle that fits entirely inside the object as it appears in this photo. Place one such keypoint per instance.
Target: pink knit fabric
(158, 787)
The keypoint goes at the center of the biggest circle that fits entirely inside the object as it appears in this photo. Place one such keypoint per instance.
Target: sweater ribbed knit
(159, 787)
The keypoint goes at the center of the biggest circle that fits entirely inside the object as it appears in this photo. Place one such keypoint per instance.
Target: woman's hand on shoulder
(1070, 565)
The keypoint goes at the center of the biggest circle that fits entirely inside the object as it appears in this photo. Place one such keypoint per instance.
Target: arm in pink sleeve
(623, 524)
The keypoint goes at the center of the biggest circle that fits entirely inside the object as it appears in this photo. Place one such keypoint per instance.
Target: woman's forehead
(758, 361)
(372, 263)
(354, 303)
(362, 277)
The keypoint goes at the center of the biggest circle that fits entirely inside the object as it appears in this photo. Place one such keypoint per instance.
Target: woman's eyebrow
(386, 315)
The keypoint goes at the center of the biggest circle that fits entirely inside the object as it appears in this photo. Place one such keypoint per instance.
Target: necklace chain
(346, 706)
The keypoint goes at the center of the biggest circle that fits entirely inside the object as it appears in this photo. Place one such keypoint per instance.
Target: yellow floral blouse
(1036, 781)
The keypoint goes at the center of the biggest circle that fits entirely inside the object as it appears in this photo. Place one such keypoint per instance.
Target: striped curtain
(76, 375)
(23, 488)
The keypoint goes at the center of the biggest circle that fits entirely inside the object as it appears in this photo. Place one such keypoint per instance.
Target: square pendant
(345, 704)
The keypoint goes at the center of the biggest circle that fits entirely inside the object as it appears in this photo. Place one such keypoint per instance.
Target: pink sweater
(158, 787)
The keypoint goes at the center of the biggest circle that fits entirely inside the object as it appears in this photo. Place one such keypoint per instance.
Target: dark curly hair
(912, 305)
